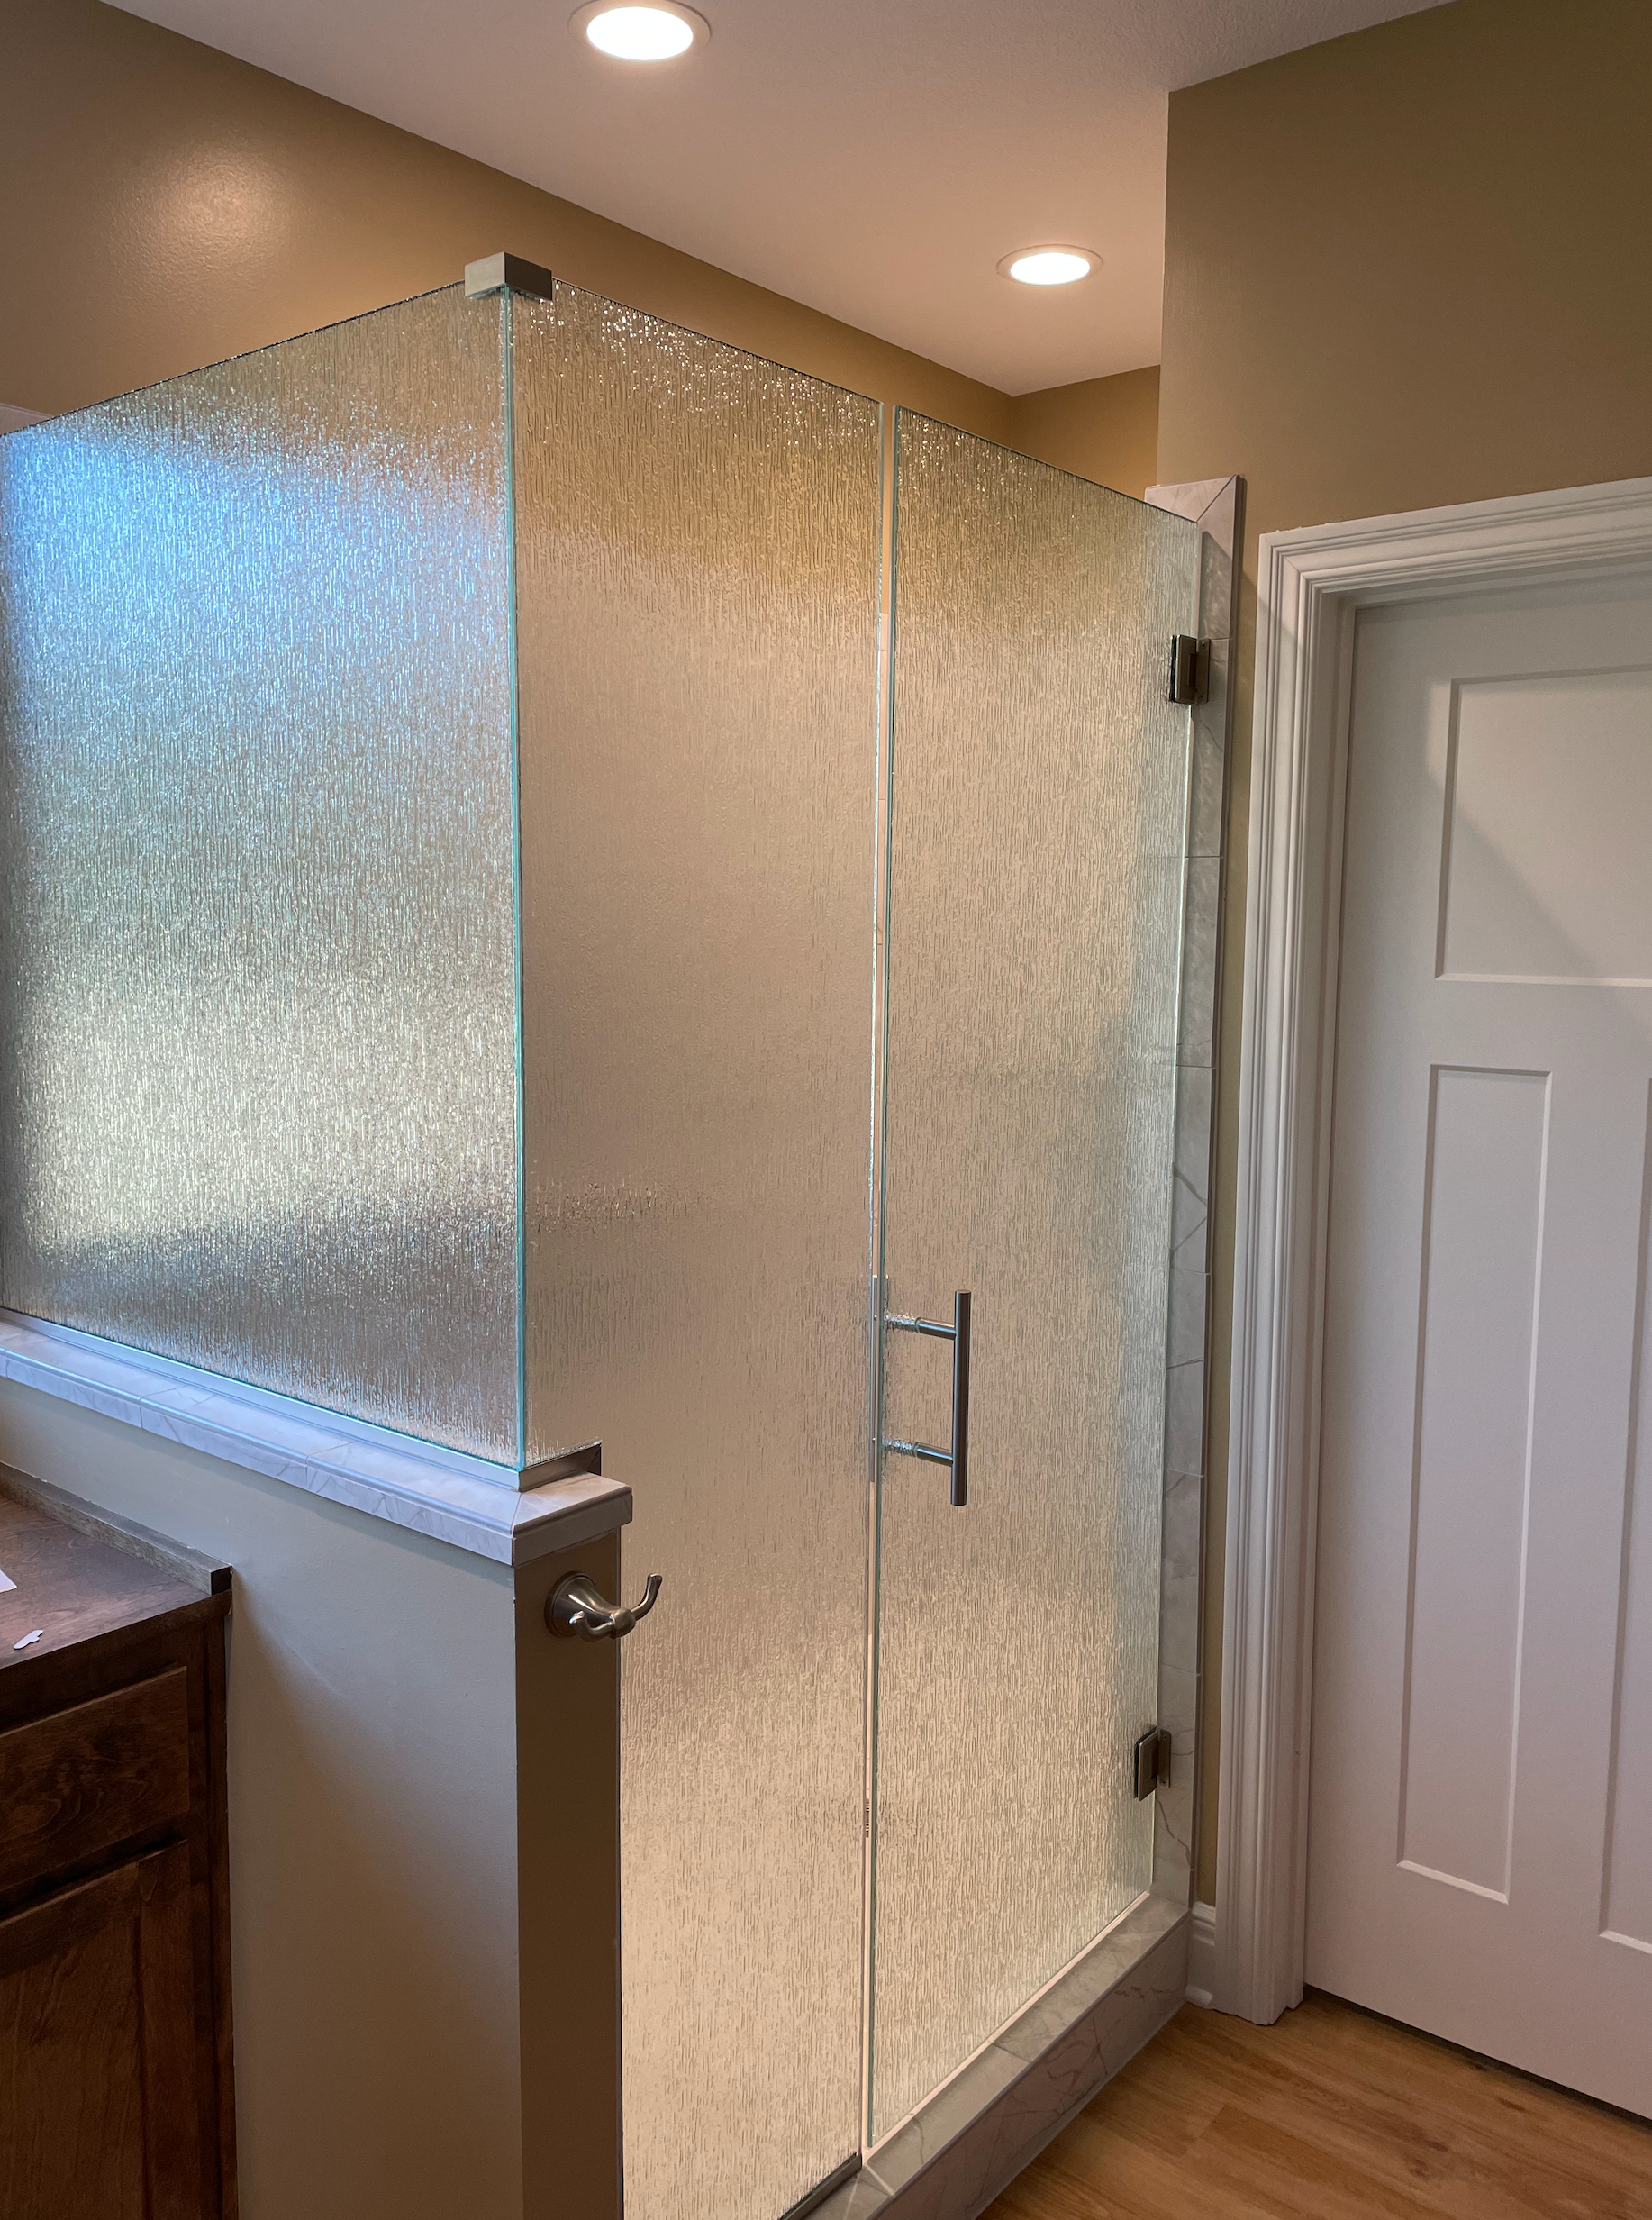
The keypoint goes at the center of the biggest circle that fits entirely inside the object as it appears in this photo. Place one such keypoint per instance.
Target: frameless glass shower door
(1037, 788)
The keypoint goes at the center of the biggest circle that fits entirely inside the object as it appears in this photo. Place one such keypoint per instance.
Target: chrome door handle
(578, 1606)
(958, 1456)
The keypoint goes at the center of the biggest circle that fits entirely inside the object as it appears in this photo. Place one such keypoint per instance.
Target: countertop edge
(192, 1567)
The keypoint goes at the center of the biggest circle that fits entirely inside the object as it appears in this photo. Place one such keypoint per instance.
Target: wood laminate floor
(1331, 2114)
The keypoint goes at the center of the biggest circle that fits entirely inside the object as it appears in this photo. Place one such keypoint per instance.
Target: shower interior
(496, 946)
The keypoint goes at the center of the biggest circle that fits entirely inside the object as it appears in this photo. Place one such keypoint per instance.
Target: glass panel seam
(514, 670)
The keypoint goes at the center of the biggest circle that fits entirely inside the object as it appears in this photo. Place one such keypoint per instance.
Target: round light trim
(1048, 266)
(659, 31)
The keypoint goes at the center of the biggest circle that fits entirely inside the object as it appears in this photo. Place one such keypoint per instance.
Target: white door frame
(1310, 585)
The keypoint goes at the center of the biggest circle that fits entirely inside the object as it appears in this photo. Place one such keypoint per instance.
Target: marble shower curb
(993, 2118)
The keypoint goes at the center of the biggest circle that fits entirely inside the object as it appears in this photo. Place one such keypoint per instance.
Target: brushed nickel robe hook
(578, 1606)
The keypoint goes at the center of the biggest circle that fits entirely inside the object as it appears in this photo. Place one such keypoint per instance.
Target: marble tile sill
(464, 1501)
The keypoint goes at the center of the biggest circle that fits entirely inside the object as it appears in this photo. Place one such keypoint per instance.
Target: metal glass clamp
(958, 1456)
(1150, 1763)
(1190, 669)
(578, 1606)
(506, 273)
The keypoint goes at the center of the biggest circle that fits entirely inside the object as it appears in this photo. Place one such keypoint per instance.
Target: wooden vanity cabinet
(116, 2095)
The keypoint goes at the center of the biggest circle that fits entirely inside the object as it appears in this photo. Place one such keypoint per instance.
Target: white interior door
(1480, 1856)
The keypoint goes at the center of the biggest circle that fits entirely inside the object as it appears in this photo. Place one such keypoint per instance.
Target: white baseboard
(1202, 1955)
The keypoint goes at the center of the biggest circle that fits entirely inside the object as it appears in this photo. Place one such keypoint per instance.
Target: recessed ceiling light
(659, 31)
(1048, 266)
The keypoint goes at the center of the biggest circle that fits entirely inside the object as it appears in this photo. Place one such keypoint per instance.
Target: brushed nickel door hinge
(1152, 1762)
(1190, 668)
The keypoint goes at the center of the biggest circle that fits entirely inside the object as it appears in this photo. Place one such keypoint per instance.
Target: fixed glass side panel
(698, 565)
(1038, 780)
(257, 912)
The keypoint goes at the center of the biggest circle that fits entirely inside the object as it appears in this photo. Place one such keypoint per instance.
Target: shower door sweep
(1036, 779)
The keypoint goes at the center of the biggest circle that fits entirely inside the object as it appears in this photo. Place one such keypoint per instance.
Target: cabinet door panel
(83, 1779)
(97, 2051)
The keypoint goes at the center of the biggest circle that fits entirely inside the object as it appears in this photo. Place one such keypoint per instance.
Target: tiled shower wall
(1217, 506)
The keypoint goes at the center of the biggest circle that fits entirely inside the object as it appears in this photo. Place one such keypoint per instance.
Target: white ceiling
(873, 158)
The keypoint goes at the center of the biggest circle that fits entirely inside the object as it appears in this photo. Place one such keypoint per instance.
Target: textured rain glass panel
(257, 979)
(698, 567)
(1038, 779)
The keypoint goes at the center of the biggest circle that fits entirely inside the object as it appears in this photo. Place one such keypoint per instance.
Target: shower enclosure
(494, 947)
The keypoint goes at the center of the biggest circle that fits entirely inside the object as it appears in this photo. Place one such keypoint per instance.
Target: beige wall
(567, 1863)
(1103, 428)
(1402, 269)
(419, 1871)
(162, 206)
(167, 207)
(373, 1831)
